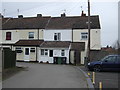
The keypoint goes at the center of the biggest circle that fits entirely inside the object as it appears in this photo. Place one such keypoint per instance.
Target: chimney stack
(20, 16)
(63, 15)
(83, 14)
(1, 16)
(39, 15)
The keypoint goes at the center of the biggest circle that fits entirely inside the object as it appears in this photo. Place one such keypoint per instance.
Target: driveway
(46, 76)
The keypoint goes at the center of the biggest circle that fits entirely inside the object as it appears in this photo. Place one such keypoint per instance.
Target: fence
(8, 58)
(97, 55)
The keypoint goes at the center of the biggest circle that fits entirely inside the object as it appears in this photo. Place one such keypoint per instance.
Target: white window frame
(31, 35)
(84, 35)
(19, 49)
(32, 50)
(58, 36)
(62, 52)
(44, 52)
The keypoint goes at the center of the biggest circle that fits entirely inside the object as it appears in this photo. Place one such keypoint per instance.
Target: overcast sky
(106, 9)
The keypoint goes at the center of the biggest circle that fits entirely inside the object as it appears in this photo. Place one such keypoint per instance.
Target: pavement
(47, 76)
(109, 79)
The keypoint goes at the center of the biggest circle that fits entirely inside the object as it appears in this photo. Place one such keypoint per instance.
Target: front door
(27, 53)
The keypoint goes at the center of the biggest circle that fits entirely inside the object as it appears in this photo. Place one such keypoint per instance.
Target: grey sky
(108, 12)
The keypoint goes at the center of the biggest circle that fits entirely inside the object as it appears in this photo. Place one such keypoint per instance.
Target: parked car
(110, 62)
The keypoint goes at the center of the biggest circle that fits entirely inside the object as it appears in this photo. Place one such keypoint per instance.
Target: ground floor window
(32, 50)
(44, 52)
(19, 50)
(62, 52)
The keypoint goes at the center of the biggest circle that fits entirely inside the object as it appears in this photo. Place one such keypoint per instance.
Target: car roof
(114, 55)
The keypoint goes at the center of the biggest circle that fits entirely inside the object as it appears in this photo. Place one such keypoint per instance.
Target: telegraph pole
(88, 31)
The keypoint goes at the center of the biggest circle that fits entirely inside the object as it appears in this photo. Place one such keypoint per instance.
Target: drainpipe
(36, 54)
(38, 34)
(72, 35)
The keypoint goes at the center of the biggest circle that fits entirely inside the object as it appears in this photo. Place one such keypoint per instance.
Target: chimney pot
(1, 16)
(39, 15)
(83, 14)
(20, 16)
(63, 15)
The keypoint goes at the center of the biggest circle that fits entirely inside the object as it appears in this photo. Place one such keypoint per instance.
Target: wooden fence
(8, 58)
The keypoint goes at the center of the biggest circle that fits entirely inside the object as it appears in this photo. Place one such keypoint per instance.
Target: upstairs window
(84, 36)
(8, 35)
(31, 35)
(57, 36)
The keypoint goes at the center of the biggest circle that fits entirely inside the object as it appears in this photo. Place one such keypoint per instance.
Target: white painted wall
(95, 41)
(66, 34)
(83, 55)
(56, 53)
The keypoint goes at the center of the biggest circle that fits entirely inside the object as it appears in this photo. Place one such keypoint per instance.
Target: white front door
(27, 53)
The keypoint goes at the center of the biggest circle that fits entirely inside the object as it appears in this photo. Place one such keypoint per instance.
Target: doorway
(27, 53)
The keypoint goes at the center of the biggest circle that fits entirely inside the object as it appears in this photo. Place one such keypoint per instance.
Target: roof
(25, 23)
(75, 22)
(78, 46)
(29, 42)
(55, 44)
(71, 22)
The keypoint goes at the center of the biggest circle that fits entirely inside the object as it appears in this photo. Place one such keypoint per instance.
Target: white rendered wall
(56, 53)
(66, 35)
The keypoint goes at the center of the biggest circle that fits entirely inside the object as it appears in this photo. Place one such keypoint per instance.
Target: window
(32, 50)
(19, 50)
(84, 36)
(26, 51)
(57, 36)
(62, 52)
(8, 35)
(111, 59)
(31, 35)
(44, 52)
(118, 59)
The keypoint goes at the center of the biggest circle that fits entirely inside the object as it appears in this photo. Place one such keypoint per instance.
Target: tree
(117, 46)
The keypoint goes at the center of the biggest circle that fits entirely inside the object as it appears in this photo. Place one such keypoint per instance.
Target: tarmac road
(47, 76)
(110, 80)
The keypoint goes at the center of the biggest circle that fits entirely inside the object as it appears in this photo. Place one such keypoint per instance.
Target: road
(109, 79)
(46, 76)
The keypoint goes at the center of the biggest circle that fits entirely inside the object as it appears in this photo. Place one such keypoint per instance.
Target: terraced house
(59, 40)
